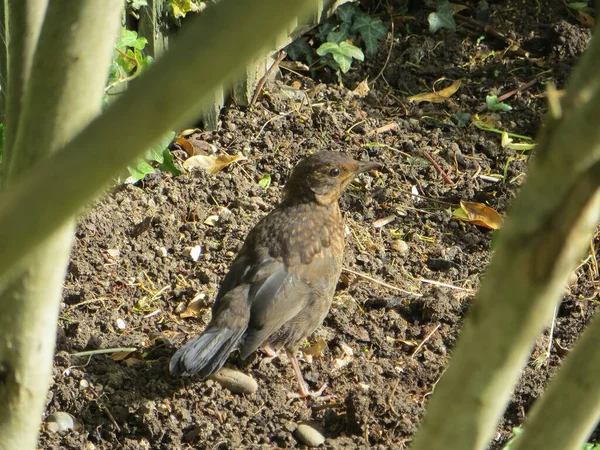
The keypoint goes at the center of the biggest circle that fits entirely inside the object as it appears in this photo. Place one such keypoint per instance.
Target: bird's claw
(305, 392)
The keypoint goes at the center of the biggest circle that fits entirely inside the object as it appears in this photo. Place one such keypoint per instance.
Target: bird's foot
(271, 355)
(305, 392)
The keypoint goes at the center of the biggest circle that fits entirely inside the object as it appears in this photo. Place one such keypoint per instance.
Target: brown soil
(121, 292)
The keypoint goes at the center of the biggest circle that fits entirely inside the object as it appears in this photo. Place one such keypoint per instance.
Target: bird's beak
(365, 166)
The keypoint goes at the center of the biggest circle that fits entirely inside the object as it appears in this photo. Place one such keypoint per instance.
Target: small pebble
(121, 324)
(400, 246)
(84, 384)
(237, 382)
(309, 436)
(60, 422)
(161, 252)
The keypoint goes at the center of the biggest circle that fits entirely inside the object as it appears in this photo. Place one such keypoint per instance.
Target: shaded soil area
(131, 277)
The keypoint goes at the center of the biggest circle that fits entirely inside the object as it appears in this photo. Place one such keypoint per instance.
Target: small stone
(84, 384)
(193, 252)
(400, 246)
(161, 252)
(237, 382)
(121, 324)
(309, 436)
(60, 422)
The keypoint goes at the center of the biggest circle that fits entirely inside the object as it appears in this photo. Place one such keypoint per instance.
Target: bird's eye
(334, 172)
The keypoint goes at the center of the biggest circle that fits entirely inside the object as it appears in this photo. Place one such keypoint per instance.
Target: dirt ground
(131, 275)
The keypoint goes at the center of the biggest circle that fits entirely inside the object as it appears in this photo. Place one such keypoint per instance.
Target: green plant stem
(545, 234)
(62, 95)
(22, 25)
(168, 96)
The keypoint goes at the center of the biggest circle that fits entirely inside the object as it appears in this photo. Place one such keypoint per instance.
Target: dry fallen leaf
(185, 145)
(383, 221)
(213, 164)
(362, 89)
(437, 96)
(316, 349)
(478, 214)
(197, 304)
(585, 19)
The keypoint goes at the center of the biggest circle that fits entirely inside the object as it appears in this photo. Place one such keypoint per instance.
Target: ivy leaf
(168, 164)
(339, 35)
(139, 171)
(299, 49)
(130, 39)
(346, 12)
(370, 30)
(182, 7)
(342, 53)
(442, 18)
(324, 30)
(156, 152)
(493, 103)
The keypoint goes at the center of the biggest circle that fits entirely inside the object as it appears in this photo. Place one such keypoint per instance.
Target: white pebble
(237, 382)
(309, 436)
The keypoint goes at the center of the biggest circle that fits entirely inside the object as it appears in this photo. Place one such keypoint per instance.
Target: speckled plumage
(281, 284)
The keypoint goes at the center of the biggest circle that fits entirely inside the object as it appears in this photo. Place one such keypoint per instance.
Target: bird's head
(323, 176)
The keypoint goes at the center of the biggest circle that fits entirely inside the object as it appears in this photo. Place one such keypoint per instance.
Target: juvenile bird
(281, 284)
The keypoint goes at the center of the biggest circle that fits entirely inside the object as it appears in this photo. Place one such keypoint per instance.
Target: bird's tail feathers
(207, 353)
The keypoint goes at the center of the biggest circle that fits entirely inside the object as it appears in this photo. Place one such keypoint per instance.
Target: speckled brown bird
(281, 284)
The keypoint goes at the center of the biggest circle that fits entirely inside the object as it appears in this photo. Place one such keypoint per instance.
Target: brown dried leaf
(362, 89)
(185, 145)
(437, 96)
(585, 19)
(316, 349)
(478, 214)
(213, 164)
(197, 304)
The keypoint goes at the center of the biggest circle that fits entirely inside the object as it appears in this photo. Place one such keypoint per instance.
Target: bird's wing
(276, 296)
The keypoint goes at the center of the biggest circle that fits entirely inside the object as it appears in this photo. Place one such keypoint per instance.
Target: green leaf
(139, 171)
(340, 35)
(299, 49)
(156, 152)
(346, 12)
(577, 6)
(168, 164)
(371, 30)
(493, 103)
(324, 30)
(265, 181)
(130, 38)
(442, 18)
(342, 53)
(352, 51)
(182, 7)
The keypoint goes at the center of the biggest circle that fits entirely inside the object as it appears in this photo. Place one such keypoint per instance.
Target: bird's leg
(271, 355)
(304, 391)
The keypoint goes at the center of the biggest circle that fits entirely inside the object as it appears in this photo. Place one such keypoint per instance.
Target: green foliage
(129, 62)
(493, 103)
(158, 153)
(181, 7)
(442, 18)
(265, 181)
(342, 54)
(336, 39)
